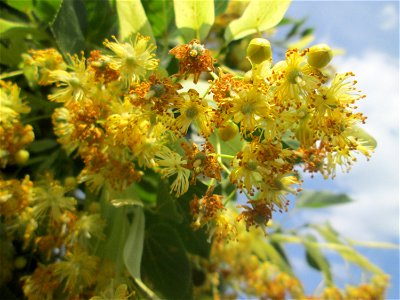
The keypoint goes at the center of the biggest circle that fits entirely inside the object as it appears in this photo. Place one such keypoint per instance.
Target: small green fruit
(319, 56)
(21, 157)
(259, 50)
(20, 262)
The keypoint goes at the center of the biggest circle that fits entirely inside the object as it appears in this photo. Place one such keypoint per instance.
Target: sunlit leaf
(348, 253)
(220, 6)
(21, 5)
(302, 42)
(377, 245)
(258, 16)
(363, 137)
(160, 14)
(132, 19)
(194, 18)
(126, 202)
(318, 199)
(267, 251)
(7, 25)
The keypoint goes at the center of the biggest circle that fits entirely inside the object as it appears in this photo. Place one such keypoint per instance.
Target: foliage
(120, 177)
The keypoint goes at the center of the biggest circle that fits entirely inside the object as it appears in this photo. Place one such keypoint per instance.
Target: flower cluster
(43, 214)
(240, 267)
(122, 117)
(14, 135)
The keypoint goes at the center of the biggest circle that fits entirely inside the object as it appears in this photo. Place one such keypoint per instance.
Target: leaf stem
(11, 74)
(225, 155)
(230, 196)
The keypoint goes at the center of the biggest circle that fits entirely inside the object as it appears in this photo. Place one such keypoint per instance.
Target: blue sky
(369, 33)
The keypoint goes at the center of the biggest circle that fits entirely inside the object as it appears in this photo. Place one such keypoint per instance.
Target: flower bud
(228, 131)
(20, 262)
(21, 157)
(319, 56)
(259, 50)
(70, 182)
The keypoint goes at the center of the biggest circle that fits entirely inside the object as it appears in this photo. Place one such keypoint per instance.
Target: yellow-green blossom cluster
(44, 216)
(14, 135)
(121, 116)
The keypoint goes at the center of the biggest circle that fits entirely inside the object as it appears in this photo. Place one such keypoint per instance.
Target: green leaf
(318, 199)
(160, 14)
(290, 143)
(347, 252)
(117, 231)
(316, 259)
(267, 251)
(194, 18)
(258, 16)
(165, 262)
(220, 6)
(132, 19)
(98, 16)
(167, 205)
(377, 245)
(42, 145)
(363, 137)
(6, 25)
(66, 30)
(195, 241)
(133, 247)
(45, 10)
(21, 5)
(302, 42)
(15, 39)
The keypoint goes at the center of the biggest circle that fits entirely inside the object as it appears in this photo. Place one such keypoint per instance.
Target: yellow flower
(246, 170)
(64, 128)
(74, 85)
(294, 79)
(49, 200)
(194, 110)
(79, 270)
(250, 107)
(86, 227)
(39, 64)
(171, 163)
(42, 284)
(132, 60)
(11, 104)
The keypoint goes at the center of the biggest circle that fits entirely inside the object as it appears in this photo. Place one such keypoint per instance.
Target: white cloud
(374, 184)
(389, 17)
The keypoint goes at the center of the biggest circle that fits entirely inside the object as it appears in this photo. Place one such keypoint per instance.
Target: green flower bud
(21, 157)
(319, 56)
(70, 182)
(259, 50)
(20, 262)
(228, 131)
